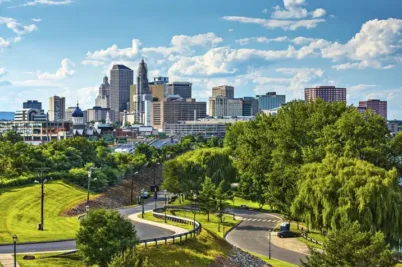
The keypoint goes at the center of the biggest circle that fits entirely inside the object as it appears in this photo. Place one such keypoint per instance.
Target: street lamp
(195, 199)
(89, 181)
(142, 201)
(15, 238)
(155, 172)
(165, 205)
(155, 196)
(269, 244)
(42, 181)
(132, 187)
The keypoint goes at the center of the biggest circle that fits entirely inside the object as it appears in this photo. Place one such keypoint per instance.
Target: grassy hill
(20, 212)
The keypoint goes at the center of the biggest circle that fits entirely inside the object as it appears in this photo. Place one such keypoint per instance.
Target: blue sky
(65, 47)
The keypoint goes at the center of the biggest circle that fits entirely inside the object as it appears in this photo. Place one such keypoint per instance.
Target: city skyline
(256, 48)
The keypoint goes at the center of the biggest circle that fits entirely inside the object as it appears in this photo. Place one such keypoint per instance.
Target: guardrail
(175, 238)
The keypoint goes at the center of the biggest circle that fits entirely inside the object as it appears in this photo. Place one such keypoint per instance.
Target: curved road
(252, 235)
(144, 231)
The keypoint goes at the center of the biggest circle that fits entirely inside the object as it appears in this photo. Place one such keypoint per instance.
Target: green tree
(352, 247)
(206, 200)
(341, 189)
(221, 199)
(103, 235)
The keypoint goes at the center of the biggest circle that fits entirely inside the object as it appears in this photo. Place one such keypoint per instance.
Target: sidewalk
(177, 230)
(289, 243)
(7, 260)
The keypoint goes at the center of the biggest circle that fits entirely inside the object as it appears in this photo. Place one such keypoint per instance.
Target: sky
(65, 47)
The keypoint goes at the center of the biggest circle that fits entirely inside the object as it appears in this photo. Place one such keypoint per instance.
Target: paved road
(252, 235)
(144, 231)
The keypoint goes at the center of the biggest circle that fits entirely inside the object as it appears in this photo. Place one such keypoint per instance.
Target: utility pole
(89, 181)
(132, 186)
(269, 244)
(42, 181)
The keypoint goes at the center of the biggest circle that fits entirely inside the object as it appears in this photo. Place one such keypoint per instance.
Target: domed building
(78, 121)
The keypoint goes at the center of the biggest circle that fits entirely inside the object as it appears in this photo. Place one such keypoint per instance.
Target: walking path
(7, 260)
(177, 230)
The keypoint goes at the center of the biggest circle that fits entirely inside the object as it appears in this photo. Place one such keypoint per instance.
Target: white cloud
(3, 72)
(303, 40)
(377, 45)
(63, 72)
(361, 87)
(231, 30)
(36, 20)
(245, 41)
(265, 11)
(16, 27)
(84, 96)
(114, 52)
(374, 64)
(4, 43)
(275, 23)
(318, 13)
(95, 63)
(47, 2)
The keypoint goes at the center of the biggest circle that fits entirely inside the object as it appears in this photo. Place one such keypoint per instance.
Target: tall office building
(220, 106)
(57, 107)
(141, 92)
(270, 100)
(377, 106)
(34, 104)
(223, 90)
(182, 89)
(159, 87)
(326, 93)
(68, 113)
(103, 98)
(121, 77)
(175, 109)
(250, 106)
(99, 114)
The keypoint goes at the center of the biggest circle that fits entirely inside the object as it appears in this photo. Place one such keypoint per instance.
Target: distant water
(6, 116)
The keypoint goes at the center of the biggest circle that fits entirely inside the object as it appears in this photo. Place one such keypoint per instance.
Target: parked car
(287, 234)
(145, 194)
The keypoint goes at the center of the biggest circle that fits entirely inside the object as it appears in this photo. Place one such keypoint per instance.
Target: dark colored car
(145, 195)
(287, 234)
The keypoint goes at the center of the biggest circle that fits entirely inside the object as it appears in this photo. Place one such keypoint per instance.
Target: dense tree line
(71, 159)
(322, 163)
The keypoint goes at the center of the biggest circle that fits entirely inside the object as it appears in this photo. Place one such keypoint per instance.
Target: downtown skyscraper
(121, 77)
(142, 96)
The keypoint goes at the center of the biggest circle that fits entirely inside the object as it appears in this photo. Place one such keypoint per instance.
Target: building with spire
(103, 98)
(78, 121)
(142, 96)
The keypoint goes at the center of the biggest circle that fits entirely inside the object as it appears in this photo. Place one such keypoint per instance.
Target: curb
(237, 224)
(37, 242)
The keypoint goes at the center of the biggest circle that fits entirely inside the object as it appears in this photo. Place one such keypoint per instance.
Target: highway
(252, 235)
(144, 231)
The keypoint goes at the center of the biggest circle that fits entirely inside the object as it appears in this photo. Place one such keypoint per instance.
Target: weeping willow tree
(343, 189)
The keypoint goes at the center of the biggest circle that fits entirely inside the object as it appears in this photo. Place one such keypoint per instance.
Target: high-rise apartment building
(377, 106)
(326, 93)
(103, 98)
(34, 104)
(121, 77)
(223, 90)
(182, 89)
(250, 106)
(141, 92)
(57, 107)
(270, 100)
(173, 110)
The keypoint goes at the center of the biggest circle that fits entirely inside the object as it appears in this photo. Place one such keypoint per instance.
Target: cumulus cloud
(17, 27)
(63, 72)
(114, 52)
(36, 20)
(245, 41)
(377, 45)
(361, 87)
(4, 43)
(276, 23)
(3, 72)
(265, 11)
(318, 13)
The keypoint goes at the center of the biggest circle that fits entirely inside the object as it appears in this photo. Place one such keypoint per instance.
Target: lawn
(238, 201)
(52, 259)
(273, 262)
(20, 212)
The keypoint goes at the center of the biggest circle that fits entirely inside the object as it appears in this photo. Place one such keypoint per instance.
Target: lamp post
(155, 172)
(269, 244)
(15, 238)
(165, 205)
(87, 210)
(195, 199)
(42, 181)
(132, 187)
(90, 171)
(155, 196)
(142, 202)
(223, 227)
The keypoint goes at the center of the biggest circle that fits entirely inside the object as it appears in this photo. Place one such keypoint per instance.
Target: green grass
(57, 259)
(273, 262)
(20, 212)
(238, 201)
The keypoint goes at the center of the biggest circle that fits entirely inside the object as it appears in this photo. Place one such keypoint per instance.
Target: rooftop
(120, 67)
